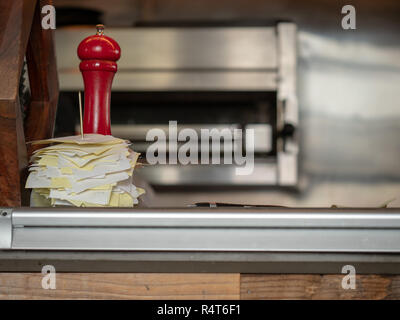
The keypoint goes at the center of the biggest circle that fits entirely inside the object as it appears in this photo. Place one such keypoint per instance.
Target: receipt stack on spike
(94, 171)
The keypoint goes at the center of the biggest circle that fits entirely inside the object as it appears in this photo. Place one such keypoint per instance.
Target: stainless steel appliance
(203, 78)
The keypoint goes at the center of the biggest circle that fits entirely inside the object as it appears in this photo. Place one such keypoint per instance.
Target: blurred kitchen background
(328, 128)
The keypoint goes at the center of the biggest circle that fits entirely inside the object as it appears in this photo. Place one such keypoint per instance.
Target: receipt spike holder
(80, 114)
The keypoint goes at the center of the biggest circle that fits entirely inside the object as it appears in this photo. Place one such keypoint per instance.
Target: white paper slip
(50, 172)
(59, 202)
(101, 197)
(90, 183)
(102, 169)
(35, 181)
(95, 160)
(127, 187)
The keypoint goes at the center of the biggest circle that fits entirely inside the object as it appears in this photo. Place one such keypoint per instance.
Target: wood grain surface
(21, 34)
(307, 286)
(15, 24)
(121, 286)
(43, 80)
(197, 286)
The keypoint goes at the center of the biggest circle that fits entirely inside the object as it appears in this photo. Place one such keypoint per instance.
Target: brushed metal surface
(179, 48)
(207, 239)
(180, 58)
(5, 228)
(208, 217)
(199, 229)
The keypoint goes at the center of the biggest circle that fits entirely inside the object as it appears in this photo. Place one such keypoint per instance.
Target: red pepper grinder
(98, 54)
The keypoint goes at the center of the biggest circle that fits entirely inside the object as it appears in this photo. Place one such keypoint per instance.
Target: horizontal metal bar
(180, 48)
(208, 218)
(207, 239)
(181, 81)
(283, 240)
(207, 230)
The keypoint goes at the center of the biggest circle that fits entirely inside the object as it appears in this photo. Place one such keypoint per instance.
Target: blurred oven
(203, 78)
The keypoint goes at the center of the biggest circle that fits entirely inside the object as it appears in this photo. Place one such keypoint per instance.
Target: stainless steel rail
(202, 230)
(209, 217)
(255, 240)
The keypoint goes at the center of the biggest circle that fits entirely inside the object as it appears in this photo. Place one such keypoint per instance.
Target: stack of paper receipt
(93, 171)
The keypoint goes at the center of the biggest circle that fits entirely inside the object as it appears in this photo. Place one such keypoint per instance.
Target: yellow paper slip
(66, 170)
(95, 171)
(50, 161)
(81, 150)
(62, 183)
(117, 200)
(94, 160)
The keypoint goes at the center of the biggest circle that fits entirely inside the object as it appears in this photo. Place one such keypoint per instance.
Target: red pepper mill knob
(98, 54)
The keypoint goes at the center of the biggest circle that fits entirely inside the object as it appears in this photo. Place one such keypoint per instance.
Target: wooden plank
(196, 286)
(121, 286)
(306, 286)
(43, 79)
(15, 24)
